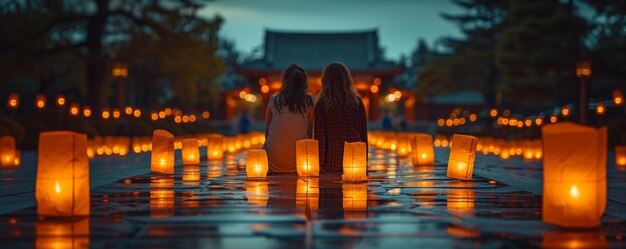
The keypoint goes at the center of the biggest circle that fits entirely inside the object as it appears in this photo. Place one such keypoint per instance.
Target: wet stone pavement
(213, 205)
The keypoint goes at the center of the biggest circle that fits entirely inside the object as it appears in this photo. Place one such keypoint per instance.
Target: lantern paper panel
(354, 162)
(62, 234)
(162, 157)
(462, 155)
(307, 157)
(62, 186)
(354, 200)
(257, 193)
(574, 175)
(620, 155)
(190, 151)
(256, 163)
(422, 151)
(215, 147)
(8, 151)
(403, 145)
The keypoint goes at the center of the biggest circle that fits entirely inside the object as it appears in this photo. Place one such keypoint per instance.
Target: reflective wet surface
(213, 205)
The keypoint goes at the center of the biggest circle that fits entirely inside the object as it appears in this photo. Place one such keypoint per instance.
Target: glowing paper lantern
(354, 162)
(403, 146)
(215, 147)
(354, 200)
(40, 101)
(307, 157)
(14, 101)
(256, 163)
(462, 154)
(618, 97)
(620, 155)
(62, 187)
(422, 151)
(190, 151)
(7, 151)
(574, 175)
(162, 158)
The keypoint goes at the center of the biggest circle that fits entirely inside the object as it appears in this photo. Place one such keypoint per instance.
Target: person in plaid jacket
(339, 116)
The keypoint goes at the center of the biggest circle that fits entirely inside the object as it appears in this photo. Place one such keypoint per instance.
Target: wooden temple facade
(359, 50)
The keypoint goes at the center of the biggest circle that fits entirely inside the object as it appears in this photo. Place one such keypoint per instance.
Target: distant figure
(339, 116)
(244, 123)
(386, 122)
(288, 119)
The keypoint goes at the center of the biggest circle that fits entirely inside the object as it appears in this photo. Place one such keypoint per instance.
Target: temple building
(359, 50)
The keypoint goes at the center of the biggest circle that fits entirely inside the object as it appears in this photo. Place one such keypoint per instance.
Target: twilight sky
(400, 22)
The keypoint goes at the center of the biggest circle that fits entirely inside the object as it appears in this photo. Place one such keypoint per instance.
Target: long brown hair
(293, 93)
(337, 88)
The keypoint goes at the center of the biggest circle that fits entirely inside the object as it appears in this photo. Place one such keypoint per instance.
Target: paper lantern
(422, 151)
(574, 175)
(40, 101)
(257, 193)
(403, 146)
(190, 151)
(354, 200)
(62, 233)
(62, 186)
(7, 151)
(462, 154)
(620, 155)
(162, 197)
(307, 157)
(215, 147)
(618, 97)
(307, 194)
(162, 157)
(354, 162)
(256, 163)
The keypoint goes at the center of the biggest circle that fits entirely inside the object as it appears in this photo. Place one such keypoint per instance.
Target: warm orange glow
(583, 68)
(403, 146)
(374, 88)
(538, 121)
(462, 154)
(74, 109)
(40, 101)
(460, 201)
(206, 115)
(116, 113)
(119, 70)
(60, 100)
(528, 122)
(377, 81)
(307, 157)
(215, 147)
(154, 116)
(162, 197)
(168, 111)
(307, 194)
(620, 155)
(600, 109)
(422, 150)
(256, 163)
(177, 119)
(473, 117)
(8, 151)
(618, 97)
(574, 175)
(449, 122)
(106, 113)
(87, 111)
(14, 101)
(185, 119)
(62, 185)
(57, 234)
(354, 162)
(257, 193)
(137, 113)
(262, 81)
(265, 89)
(162, 156)
(128, 110)
(565, 111)
(354, 200)
(441, 122)
(161, 114)
(493, 113)
(553, 119)
(190, 151)
(192, 118)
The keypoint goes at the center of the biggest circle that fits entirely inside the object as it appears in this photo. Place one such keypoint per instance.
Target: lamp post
(120, 71)
(583, 72)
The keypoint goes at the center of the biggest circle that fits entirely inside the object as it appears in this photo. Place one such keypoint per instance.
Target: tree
(537, 53)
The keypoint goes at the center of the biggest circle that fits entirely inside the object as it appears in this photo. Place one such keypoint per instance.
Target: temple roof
(359, 50)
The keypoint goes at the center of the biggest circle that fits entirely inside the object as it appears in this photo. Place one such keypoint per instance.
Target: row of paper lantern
(13, 102)
(574, 177)
(9, 154)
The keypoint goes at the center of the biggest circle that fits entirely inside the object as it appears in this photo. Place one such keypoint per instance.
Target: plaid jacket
(335, 127)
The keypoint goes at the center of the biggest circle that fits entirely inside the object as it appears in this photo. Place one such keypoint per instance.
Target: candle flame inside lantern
(461, 166)
(57, 187)
(424, 155)
(574, 192)
(257, 167)
(191, 156)
(162, 162)
(215, 152)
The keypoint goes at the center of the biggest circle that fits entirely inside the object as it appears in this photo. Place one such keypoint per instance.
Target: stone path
(213, 205)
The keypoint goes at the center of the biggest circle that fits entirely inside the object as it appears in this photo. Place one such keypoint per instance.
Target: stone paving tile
(213, 205)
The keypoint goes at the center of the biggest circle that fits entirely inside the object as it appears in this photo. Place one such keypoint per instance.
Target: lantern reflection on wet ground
(191, 175)
(257, 192)
(574, 239)
(460, 202)
(162, 197)
(57, 233)
(354, 200)
(307, 195)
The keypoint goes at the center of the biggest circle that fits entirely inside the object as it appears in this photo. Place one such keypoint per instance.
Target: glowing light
(538, 121)
(397, 94)
(87, 111)
(473, 117)
(493, 113)
(206, 115)
(57, 187)
(574, 192)
(565, 111)
(374, 89)
(116, 113)
(600, 109)
(265, 89)
(60, 101)
(137, 113)
(128, 110)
